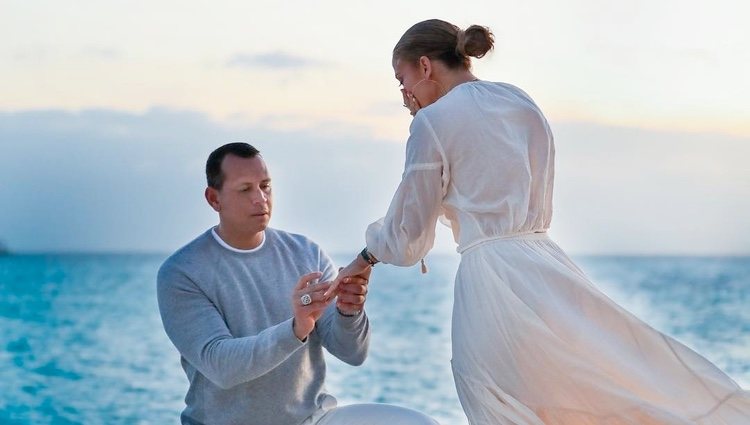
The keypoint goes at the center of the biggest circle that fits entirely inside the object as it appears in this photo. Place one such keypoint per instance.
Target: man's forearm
(228, 362)
(200, 334)
(346, 337)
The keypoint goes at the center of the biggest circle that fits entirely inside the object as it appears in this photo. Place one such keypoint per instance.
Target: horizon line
(337, 253)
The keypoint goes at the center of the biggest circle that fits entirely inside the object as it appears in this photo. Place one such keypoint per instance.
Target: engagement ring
(306, 299)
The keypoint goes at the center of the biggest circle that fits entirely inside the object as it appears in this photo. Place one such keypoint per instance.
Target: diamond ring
(306, 299)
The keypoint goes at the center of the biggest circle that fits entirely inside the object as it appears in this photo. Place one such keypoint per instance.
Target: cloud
(272, 60)
(105, 180)
(42, 53)
(386, 109)
(101, 52)
(34, 54)
(631, 190)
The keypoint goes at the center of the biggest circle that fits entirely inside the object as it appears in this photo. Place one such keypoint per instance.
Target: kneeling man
(244, 308)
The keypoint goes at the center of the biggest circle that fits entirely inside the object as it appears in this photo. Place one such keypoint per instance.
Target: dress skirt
(536, 343)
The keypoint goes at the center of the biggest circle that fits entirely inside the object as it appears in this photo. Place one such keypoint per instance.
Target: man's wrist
(295, 330)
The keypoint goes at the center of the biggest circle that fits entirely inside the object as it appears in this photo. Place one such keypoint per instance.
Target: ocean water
(81, 341)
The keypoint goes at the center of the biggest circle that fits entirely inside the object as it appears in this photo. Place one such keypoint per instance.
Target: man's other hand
(308, 303)
(353, 293)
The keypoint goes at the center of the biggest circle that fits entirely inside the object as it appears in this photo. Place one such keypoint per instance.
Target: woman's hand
(410, 102)
(356, 268)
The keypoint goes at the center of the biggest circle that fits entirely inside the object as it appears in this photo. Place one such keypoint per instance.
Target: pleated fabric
(536, 343)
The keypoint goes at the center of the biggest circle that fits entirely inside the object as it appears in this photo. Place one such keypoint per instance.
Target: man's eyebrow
(246, 182)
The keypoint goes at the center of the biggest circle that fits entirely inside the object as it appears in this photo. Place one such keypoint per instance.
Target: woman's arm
(407, 232)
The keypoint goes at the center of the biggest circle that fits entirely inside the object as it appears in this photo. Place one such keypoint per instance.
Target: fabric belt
(532, 235)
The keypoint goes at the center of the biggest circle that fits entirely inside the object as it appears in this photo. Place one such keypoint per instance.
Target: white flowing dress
(534, 341)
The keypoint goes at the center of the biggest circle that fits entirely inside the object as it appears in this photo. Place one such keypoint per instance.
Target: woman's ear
(425, 66)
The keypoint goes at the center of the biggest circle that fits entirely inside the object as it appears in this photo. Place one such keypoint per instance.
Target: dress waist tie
(532, 235)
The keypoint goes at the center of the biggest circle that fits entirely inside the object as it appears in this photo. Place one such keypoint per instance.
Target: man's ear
(425, 66)
(212, 197)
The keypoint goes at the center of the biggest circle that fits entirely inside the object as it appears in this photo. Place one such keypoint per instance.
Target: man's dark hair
(214, 176)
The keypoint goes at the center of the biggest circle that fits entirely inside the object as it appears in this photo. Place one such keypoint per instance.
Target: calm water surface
(81, 341)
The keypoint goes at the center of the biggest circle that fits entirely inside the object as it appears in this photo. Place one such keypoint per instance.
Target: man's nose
(259, 196)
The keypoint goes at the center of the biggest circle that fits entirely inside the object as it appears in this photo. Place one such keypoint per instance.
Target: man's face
(244, 201)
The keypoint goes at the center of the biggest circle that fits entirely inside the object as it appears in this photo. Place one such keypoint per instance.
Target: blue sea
(81, 341)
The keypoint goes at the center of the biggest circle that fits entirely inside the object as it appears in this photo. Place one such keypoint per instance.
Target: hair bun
(475, 41)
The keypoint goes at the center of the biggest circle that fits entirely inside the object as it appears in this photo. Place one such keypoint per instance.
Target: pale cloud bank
(102, 52)
(103, 180)
(272, 60)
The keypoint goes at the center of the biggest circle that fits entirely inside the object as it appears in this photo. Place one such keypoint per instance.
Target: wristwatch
(367, 256)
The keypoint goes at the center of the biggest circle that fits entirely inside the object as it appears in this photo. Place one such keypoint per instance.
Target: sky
(109, 109)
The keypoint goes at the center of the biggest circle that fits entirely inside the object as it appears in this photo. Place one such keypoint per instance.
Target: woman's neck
(452, 79)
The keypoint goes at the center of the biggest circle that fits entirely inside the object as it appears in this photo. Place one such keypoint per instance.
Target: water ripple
(81, 340)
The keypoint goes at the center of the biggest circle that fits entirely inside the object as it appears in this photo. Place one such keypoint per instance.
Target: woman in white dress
(534, 341)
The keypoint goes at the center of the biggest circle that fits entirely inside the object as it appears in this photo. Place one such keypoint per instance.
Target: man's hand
(305, 316)
(353, 293)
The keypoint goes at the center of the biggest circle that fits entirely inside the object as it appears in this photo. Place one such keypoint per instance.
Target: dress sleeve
(407, 232)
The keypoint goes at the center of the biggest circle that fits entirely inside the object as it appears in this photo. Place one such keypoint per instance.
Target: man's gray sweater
(229, 314)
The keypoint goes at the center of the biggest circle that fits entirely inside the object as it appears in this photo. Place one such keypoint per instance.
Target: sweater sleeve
(198, 331)
(407, 232)
(346, 337)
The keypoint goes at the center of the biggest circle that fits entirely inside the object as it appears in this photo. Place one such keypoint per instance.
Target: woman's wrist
(361, 263)
(368, 257)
